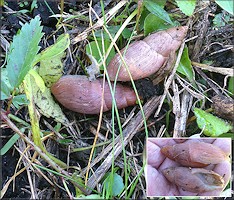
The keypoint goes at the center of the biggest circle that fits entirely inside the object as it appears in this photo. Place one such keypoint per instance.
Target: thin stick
(170, 78)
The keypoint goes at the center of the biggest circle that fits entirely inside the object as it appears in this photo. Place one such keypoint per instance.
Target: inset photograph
(188, 167)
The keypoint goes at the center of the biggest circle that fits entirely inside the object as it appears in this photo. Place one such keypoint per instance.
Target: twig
(170, 78)
(182, 115)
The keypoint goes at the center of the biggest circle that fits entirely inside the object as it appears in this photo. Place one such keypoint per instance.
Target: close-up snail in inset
(143, 58)
(189, 167)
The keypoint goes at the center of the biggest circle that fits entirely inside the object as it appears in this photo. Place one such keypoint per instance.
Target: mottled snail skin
(78, 94)
(194, 179)
(195, 154)
(147, 56)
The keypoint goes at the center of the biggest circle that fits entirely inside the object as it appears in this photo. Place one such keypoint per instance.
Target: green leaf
(92, 49)
(161, 3)
(20, 100)
(143, 16)
(153, 23)
(54, 50)
(113, 30)
(187, 7)
(117, 184)
(227, 5)
(38, 79)
(210, 124)
(51, 66)
(9, 144)
(5, 91)
(23, 50)
(157, 10)
(44, 100)
(6, 87)
(4, 78)
(185, 66)
(221, 19)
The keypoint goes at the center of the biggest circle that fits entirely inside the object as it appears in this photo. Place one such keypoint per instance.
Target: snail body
(194, 179)
(194, 154)
(78, 94)
(147, 56)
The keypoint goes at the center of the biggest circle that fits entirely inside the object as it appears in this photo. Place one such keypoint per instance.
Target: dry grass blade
(169, 80)
(220, 70)
(99, 23)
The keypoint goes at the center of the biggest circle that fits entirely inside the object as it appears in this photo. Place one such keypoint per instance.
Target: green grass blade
(9, 144)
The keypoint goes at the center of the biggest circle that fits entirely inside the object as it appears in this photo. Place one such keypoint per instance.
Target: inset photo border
(188, 167)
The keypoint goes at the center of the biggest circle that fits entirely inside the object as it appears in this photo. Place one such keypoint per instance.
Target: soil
(214, 40)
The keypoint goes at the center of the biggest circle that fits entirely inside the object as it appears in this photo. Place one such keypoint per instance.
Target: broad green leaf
(92, 49)
(4, 78)
(51, 70)
(45, 101)
(157, 10)
(9, 144)
(143, 16)
(33, 92)
(23, 50)
(34, 118)
(161, 3)
(210, 124)
(154, 23)
(51, 66)
(227, 5)
(185, 66)
(54, 50)
(187, 7)
(5, 91)
(6, 87)
(37, 78)
(117, 186)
